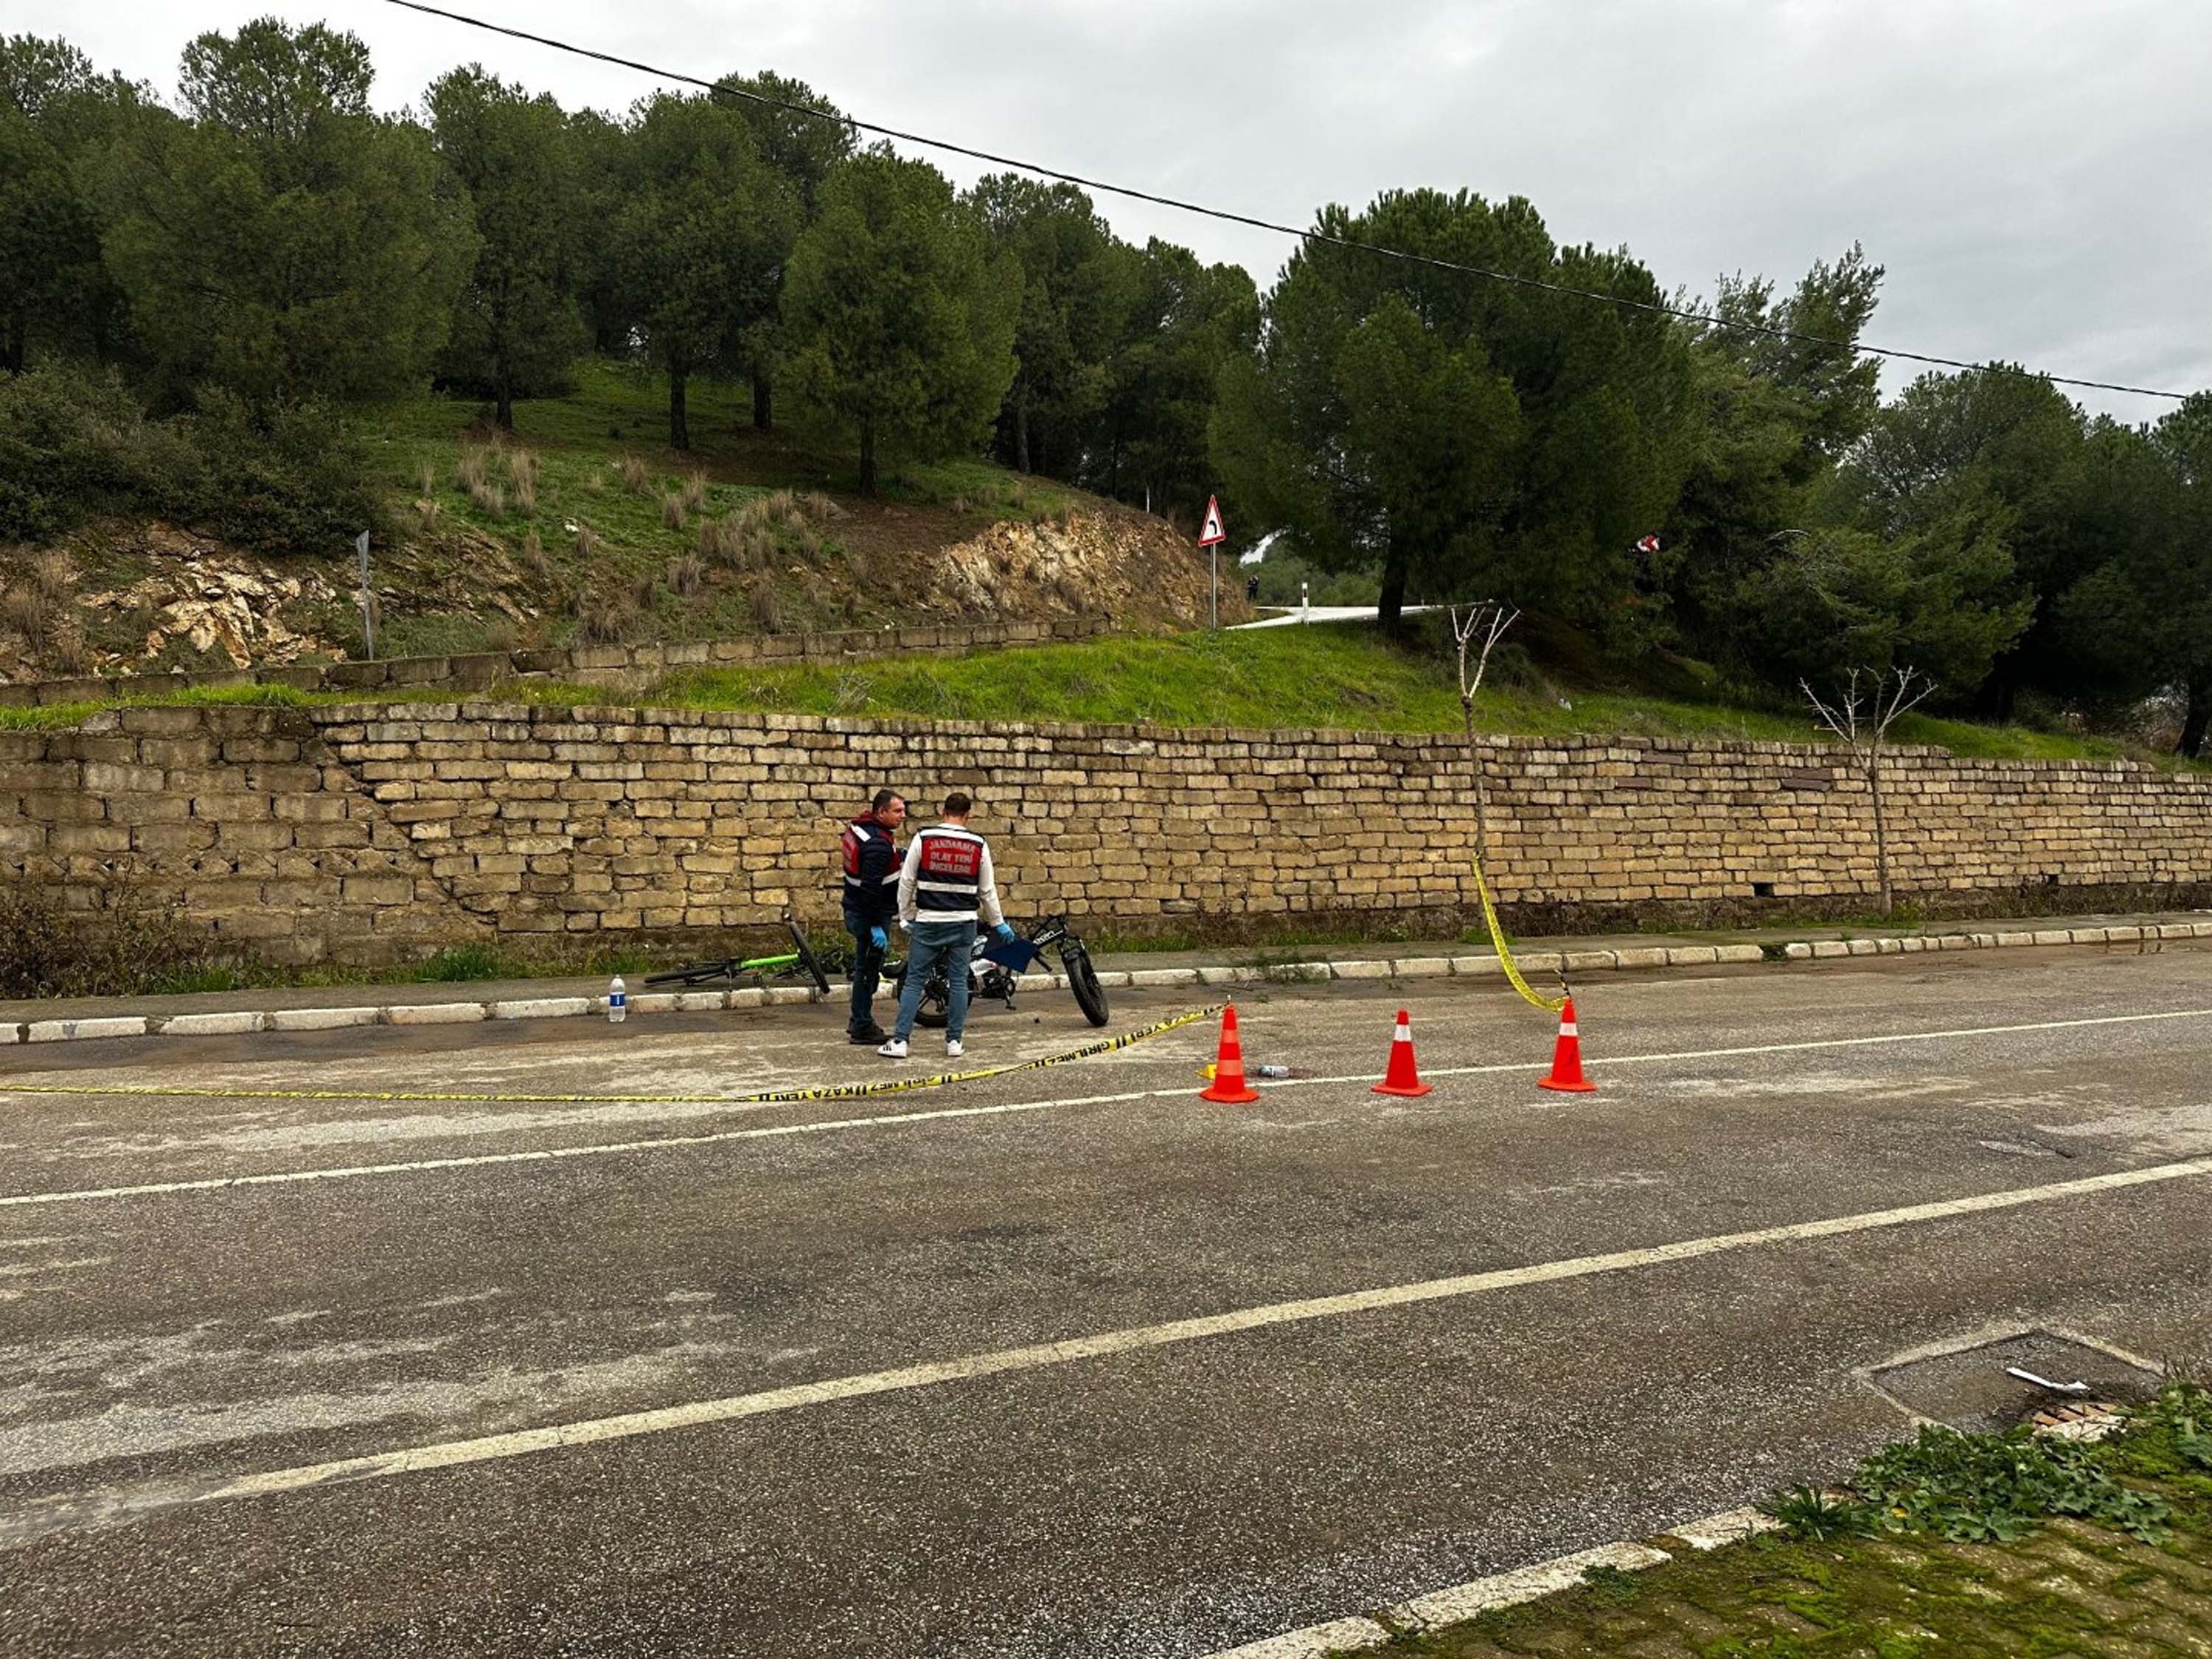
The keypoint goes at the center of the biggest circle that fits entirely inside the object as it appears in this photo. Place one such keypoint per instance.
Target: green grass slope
(1343, 677)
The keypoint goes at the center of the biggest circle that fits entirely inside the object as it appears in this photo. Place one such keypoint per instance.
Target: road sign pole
(1210, 535)
(367, 614)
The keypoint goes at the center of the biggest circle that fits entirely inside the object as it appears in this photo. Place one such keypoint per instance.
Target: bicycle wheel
(807, 959)
(936, 1009)
(1083, 980)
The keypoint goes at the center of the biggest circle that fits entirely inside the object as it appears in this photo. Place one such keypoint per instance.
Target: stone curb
(1504, 1589)
(1634, 959)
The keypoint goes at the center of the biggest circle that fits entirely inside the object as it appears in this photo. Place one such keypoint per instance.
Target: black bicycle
(799, 962)
(995, 981)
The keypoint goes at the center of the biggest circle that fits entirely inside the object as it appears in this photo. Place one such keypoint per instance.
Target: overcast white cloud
(2030, 172)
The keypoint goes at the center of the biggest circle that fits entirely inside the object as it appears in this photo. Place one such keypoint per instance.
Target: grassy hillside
(582, 526)
(1345, 676)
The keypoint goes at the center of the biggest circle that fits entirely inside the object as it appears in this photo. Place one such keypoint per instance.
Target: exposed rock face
(1084, 564)
(214, 605)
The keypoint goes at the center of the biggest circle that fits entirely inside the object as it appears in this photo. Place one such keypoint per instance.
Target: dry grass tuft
(603, 621)
(635, 477)
(488, 497)
(768, 614)
(535, 564)
(685, 576)
(426, 478)
(695, 493)
(672, 514)
(722, 542)
(587, 544)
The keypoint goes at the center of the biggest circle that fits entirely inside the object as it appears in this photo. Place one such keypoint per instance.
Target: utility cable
(1650, 307)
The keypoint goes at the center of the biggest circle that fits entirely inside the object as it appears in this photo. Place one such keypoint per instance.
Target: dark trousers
(867, 969)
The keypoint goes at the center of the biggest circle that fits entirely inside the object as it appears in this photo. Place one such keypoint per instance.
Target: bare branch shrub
(1476, 631)
(1869, 703)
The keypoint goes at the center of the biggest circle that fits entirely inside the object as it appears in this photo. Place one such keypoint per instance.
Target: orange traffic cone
(1403, 1078)
(1229, 1085)
(1567, 1057)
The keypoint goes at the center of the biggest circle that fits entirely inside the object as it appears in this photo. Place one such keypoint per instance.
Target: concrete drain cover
(1971, 1389)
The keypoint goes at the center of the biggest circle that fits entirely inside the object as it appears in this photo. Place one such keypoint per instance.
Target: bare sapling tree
(1476, 630)
(1861, 716)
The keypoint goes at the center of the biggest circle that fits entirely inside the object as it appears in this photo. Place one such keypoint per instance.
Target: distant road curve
(1328, 613)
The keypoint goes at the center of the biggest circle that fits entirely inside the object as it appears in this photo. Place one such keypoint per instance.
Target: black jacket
(871, 871)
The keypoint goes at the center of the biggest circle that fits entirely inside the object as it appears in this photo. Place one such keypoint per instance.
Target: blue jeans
(867, 969)
(928, 941)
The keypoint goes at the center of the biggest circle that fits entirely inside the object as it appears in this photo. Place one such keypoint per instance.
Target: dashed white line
(121, 1505)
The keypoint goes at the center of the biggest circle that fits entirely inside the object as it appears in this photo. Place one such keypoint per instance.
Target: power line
(1767, 330)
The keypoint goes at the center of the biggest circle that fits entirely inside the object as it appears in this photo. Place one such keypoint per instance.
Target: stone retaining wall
(370, 831)
(591, 665)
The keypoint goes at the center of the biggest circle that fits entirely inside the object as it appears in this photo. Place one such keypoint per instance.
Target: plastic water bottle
(617, 1002)
(1271, 1071)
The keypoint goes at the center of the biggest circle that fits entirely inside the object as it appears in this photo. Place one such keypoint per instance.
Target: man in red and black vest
(946, 890)
(872, 884)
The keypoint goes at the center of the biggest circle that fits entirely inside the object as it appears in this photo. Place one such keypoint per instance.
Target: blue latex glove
(1005, 931)
(879, 939)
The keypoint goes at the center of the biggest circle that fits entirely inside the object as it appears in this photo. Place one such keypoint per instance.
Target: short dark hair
(957, 805)
(884, 798)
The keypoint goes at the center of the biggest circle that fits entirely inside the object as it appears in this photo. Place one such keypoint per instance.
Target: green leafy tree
(1773, 416)
(284, 244)
(599, 147)
(2142, 622)
(900, 324)
(805, 149)
(1554, 429)
(1185, 323)
(53, 108)
(701, 242)
(516, 328)
(1956, 443)
(1076, 291)
(49, 245)
(1940, 598)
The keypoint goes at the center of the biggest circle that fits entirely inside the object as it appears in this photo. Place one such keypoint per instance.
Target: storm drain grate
(1973, 1388)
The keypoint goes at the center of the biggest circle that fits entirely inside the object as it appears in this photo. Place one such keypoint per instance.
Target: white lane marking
(119, 1505)
(24, 1269)
(546, 1154)
(352, 1171)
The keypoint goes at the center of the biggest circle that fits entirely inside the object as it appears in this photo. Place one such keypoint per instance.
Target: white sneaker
(952, 1048)
(895, 1049)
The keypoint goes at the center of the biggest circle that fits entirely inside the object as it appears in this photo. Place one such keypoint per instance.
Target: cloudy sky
(2031, 172)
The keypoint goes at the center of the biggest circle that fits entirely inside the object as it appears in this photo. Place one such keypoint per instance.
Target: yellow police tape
(769, 1097)
(1553, 1005)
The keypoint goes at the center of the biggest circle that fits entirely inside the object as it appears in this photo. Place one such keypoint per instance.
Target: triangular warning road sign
(1211, 532)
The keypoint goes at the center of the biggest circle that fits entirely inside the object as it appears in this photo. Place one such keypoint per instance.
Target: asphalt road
(1069, 1362)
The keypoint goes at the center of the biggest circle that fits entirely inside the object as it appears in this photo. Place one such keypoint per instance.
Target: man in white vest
(947, 889)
